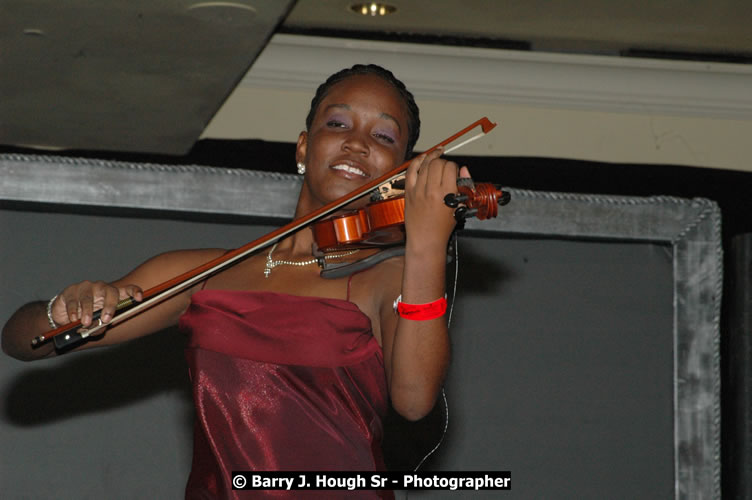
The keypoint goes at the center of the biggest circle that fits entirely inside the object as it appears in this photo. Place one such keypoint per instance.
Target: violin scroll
(480, 200)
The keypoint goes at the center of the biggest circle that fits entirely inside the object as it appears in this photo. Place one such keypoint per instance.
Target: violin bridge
(395, 187)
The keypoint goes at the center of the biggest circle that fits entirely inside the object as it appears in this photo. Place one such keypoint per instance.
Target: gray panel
(562, 368)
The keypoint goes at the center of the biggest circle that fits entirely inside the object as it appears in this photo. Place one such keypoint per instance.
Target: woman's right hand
(81, 300)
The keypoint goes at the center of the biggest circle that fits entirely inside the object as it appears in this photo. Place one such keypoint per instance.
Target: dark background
(727, 188)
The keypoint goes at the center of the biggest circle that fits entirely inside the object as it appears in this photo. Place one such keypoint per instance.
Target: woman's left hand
(429, 178)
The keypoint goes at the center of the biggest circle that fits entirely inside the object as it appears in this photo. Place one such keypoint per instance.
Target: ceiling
(123, 75)
(147, 76)
(680, 28)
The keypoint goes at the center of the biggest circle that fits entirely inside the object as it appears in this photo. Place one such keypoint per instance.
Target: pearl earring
(301, 168)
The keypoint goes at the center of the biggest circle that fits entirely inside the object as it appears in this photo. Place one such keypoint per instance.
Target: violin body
(380, 223)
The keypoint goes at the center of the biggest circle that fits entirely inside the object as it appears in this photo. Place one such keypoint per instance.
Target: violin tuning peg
(460, 215)
(505, 198)
(451, 201)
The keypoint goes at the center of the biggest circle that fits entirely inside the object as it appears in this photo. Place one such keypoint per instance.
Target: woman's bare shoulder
(385, 277)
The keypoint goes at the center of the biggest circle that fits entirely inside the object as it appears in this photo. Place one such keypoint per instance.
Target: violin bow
(71, 333)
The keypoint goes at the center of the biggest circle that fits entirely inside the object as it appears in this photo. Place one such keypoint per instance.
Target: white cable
(449, 321)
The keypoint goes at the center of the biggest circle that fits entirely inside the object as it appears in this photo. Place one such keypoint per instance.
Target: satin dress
(282, 382)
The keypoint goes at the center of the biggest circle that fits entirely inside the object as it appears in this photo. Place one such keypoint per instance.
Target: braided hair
(413, 113)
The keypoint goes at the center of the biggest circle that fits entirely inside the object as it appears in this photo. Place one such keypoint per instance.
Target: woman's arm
(79, 301)
(416, 352)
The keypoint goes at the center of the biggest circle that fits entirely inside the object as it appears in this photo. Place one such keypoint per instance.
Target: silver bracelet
(53, 325)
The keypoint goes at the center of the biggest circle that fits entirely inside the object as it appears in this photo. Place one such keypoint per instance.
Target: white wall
(551, 105)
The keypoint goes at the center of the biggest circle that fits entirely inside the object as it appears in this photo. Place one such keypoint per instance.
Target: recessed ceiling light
(230, 14)
(221, 5)
(373, 8)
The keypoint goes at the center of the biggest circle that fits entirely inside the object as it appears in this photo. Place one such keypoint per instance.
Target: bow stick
(73, 332)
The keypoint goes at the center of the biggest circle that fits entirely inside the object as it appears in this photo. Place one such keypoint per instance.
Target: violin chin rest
(335, 271)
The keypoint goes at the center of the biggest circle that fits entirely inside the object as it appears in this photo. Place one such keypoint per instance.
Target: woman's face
(358, 133)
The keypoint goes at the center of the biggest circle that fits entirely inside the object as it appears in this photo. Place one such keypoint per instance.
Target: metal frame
(691, 227)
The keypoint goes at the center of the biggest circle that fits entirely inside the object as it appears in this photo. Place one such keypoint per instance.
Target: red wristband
(420, 312)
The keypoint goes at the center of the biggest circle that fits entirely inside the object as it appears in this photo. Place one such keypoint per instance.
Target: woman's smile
(350, 171)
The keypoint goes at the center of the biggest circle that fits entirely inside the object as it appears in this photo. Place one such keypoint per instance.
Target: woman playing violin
(291, 371)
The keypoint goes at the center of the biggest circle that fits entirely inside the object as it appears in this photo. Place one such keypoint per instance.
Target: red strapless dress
(282, 382)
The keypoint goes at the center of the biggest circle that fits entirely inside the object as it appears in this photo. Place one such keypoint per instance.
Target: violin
(72, 333)
(382, 222)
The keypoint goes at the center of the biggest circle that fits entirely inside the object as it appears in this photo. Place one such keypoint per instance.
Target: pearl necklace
(271, 264)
